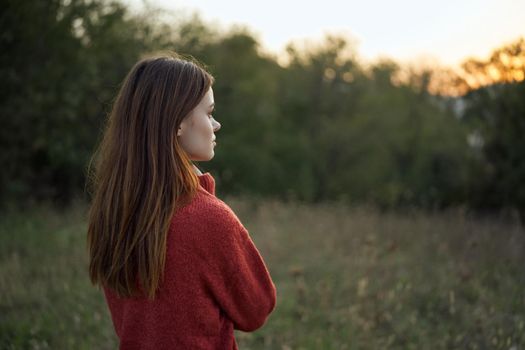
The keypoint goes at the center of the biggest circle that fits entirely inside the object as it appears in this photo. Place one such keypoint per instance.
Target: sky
(444, 32)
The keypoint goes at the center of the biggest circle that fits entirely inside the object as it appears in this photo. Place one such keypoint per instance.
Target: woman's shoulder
(206, 225)
(208, 211)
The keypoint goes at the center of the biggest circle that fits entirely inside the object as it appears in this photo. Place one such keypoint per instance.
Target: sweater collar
(207, 181)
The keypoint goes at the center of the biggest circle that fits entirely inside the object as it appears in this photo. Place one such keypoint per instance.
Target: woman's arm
(236, 275)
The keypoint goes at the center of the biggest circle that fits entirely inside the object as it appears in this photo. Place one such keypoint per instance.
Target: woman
(177, 267)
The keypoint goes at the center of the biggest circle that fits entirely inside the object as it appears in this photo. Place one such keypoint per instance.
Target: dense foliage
(325, 126)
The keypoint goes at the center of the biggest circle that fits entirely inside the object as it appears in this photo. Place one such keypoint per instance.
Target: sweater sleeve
(235, 273)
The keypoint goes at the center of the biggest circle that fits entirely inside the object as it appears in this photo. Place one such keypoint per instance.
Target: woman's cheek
(200, 142)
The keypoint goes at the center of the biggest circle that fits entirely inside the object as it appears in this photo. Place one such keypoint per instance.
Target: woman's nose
(217, 126)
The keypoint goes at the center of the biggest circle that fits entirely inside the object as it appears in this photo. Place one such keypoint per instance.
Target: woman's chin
(203, 157)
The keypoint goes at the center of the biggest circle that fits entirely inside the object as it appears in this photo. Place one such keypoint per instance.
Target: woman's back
(215, 281)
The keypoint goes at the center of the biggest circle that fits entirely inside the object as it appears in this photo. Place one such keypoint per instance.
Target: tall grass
(346, 277)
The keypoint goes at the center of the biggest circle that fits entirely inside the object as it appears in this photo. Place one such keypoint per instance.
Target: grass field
(347, 278)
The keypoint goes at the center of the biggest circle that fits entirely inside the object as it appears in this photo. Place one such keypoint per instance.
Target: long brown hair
(141, 175)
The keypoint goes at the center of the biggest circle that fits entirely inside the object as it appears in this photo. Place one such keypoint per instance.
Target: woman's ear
(181, 127)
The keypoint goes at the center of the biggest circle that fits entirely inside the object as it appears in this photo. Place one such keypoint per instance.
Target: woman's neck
(197, 171)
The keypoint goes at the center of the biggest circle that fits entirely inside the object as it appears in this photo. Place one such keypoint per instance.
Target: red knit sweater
(215, 281)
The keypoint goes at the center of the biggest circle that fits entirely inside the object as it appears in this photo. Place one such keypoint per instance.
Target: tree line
(323, 126)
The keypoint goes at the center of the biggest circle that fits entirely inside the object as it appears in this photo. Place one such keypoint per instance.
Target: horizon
(451, 34)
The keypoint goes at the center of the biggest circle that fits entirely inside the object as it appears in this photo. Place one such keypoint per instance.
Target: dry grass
(347, 278)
